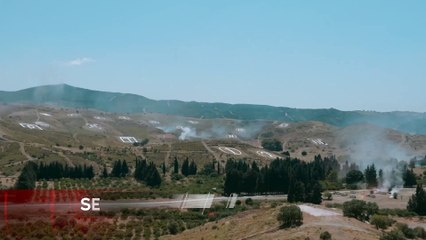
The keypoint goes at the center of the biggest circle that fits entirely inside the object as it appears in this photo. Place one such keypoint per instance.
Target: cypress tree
(409, 178)
(371, 176)
(164, 168)
(105, 172)
(124, 169)
(192, 168)
(153, 178)
(185, 167)
(316, 194)
(176, 166)
(28, 177)
(116, 170)
(417, 202)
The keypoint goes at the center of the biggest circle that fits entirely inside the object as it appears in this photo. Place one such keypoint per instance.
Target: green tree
(153, 178)
(409, 178)
(290, 216)
(359, 209)
(185, 167)
(354, 176)
(417, 202)
(163, 167)
(192, 168)
(116, 169)
(300, 191)
(325, 235)
(124, 169)
(381, 221)
(176, 166)
(380, 176)
(316, 194)
(105, 172)
(272, 144)
(393, 235)
(371, 176)
(28, 177)
(328, 196)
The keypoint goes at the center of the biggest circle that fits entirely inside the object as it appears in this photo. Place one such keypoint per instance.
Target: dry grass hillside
(262, 224)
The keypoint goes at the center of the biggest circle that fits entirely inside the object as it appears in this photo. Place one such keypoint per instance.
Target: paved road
(109, 205)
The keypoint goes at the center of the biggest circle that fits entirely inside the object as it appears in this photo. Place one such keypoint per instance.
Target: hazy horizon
(359, 55)
(171, 99)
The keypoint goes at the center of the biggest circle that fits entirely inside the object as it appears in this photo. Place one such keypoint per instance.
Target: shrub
(359, 209)
(325, 236)
(396, 212)
(173, 228)
(272, 144)
(393, 235)
(420, 232)
(408, 232)
(249, 201)
(381, 222)
(328, 196)
(290, 216)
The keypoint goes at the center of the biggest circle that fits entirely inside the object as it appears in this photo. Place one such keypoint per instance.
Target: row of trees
(300, 180)
(147, 172)
(120, 169)
(144, 171)
(188, 168)
(54, 170)
(374, 178)
(57, 170)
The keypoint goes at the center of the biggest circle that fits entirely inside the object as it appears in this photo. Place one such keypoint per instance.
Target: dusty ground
(262, 224)
(382, 199)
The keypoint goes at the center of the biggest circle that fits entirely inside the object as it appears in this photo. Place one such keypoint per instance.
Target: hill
(68, 96)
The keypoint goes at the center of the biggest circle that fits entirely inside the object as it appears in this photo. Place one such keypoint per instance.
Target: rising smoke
(372, 145)
(214, 129)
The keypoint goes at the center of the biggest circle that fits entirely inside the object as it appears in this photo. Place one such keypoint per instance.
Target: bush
(173, 228)
(396, 212)
(272, 144)
(325, 236)
(359, 209)
(249, 201)
(393, 235)
(290, 216)
(328, 196)
(420, 232)
(381, 222)
(334, 205)
(176, 177)
(408, 232)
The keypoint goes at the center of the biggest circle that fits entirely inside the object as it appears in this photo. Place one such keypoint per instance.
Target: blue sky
(366, 55)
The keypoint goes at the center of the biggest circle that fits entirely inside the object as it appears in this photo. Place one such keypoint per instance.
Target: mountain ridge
(65, 95)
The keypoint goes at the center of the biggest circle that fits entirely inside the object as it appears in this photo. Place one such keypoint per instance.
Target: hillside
(262, 224)
(46, 132)
(69, 96)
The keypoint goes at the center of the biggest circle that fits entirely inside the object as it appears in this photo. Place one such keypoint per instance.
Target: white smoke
(220, 129)
(187, 133)
(373, 145)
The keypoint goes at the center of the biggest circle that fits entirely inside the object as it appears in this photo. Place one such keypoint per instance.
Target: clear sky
(366, 55)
